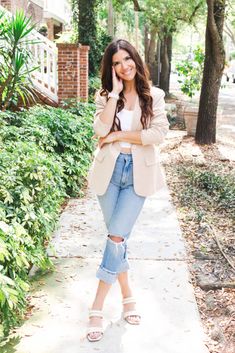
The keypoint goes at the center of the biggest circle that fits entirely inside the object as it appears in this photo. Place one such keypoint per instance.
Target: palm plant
(15, 60)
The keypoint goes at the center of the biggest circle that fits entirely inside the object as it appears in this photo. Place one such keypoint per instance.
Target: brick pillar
(68, 71)
(7, 4)
(84, 67)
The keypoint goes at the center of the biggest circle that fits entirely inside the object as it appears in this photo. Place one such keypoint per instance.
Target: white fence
(45, 56)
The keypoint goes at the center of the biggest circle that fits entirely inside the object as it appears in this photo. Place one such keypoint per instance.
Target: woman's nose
(124, 65)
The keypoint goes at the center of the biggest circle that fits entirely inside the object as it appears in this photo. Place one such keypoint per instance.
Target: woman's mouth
(127, 73)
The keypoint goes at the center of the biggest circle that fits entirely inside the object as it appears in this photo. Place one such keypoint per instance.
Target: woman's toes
(94, 335)
(133, 319)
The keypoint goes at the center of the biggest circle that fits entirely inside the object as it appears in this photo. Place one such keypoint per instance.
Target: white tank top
(125, 116)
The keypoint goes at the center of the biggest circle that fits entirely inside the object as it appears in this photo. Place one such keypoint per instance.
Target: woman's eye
(128, 58)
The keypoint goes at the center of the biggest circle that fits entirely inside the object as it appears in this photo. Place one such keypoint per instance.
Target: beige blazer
(147, 174)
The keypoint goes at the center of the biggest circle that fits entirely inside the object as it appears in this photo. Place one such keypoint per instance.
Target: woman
(130, 121)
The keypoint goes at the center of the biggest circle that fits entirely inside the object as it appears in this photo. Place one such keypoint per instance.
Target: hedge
(45, 154)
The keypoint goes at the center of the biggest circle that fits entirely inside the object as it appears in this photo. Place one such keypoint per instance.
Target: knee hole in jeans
(116, 239)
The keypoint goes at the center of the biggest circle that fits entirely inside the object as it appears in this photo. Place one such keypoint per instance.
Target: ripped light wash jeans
(120, 206)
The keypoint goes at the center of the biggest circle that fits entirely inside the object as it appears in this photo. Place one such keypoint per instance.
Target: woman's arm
(124, 136)
(108, 112)
(154, 134)
(105, 109)
(102, 126)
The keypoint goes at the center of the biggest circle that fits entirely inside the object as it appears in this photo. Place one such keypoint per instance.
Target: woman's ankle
(126, 293)
(97, 306)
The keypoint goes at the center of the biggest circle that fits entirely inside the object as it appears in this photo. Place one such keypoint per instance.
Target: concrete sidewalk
(165, 297)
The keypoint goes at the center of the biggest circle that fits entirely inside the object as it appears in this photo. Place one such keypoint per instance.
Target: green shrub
(44, 156)
(31, 192)
(94, 85)
(212, 187)
(16, 252)
(71, 139)
(220, 187)
(190, 72)
(66, 133)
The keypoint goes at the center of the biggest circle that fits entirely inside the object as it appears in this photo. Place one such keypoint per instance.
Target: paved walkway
(170, 319)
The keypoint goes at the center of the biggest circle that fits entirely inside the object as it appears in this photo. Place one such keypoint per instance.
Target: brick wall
(84, 51)
(72, 71)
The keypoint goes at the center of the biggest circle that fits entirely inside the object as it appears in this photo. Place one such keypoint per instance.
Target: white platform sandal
(95, 329)
(130, 313)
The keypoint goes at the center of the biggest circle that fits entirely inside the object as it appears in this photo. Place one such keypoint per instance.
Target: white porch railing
(45, 55)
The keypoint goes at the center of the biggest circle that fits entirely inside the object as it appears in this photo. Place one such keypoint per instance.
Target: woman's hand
(117, 82)
(112, 137)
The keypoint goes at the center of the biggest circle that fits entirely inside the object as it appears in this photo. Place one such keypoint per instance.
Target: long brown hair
(141, 80)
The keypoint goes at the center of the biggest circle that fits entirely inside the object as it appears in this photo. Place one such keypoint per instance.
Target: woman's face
(124, 65)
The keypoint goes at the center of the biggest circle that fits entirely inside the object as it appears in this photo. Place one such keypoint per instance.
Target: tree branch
(230, 33)
(195, 10)
(220, 247)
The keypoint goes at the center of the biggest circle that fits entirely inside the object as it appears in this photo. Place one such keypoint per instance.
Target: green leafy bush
(31, 192)
(44, 156)
(220, 187)
(94, 85)
(71, 139)
(210, 186)
(190, 73)
(67, 133)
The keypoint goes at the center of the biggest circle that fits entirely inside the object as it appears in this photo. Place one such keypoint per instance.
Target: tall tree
(165, 58)
(87, 33)
(212, 73)
(165, 17)
(88, 23)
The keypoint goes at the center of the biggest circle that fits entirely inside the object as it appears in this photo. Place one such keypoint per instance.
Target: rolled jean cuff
(108, 276)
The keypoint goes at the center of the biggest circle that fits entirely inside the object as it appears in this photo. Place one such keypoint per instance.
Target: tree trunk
(87, 33)
(151, 56)
(212, 73)
(146, 43)
(166, 54)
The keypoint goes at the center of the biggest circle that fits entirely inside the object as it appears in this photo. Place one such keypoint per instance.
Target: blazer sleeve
(159, 125)
(101, 129)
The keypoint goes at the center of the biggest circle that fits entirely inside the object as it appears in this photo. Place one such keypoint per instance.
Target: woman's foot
(129, 312)
(95, 330)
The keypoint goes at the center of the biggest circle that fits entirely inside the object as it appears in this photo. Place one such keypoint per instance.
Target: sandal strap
(128, 300)
(94, 329)
(131, 313)
(95, 313)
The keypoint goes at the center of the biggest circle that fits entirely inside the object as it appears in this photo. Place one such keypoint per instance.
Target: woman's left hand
(112, 137)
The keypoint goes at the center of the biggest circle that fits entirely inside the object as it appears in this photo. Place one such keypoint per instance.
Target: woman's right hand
(117, 82)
